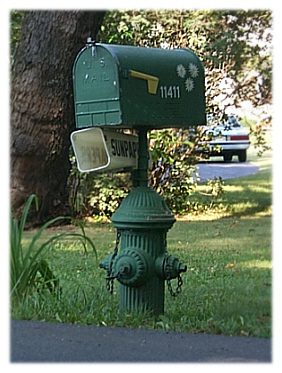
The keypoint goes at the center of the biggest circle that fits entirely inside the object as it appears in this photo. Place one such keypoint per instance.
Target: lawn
(227, 288)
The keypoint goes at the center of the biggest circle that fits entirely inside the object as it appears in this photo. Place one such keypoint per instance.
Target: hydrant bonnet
(143, 208)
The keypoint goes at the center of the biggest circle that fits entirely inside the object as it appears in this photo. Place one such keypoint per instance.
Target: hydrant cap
(145, 207)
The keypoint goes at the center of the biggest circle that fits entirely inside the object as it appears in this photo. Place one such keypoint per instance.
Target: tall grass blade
(26, 264)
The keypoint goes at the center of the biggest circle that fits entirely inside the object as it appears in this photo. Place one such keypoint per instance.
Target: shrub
(173, 172)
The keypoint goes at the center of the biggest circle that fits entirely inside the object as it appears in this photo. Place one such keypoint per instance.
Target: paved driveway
(211, 169)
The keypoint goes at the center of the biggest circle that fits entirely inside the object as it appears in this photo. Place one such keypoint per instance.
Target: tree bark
(42, 105)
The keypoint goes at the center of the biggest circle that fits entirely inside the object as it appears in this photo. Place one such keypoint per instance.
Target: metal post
(140, 176)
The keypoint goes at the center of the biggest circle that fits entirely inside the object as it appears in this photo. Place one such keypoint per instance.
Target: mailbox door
(96, 88)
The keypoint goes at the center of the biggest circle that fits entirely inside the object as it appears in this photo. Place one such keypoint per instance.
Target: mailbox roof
(128, 55)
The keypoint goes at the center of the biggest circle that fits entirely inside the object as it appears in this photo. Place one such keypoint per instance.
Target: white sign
(98, 149)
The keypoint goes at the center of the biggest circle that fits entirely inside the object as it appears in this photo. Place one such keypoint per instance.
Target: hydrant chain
(178, 289)
(110, 276)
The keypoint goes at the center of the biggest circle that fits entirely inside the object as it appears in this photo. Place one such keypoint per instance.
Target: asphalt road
(34, 341)
(211, 169)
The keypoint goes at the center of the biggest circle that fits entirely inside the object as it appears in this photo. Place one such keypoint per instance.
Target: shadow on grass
(249, 202)
(241, 198)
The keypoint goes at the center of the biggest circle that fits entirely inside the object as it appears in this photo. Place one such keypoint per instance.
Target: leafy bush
(215, 187)
(173, 173)
(93, 194)
(107, 193)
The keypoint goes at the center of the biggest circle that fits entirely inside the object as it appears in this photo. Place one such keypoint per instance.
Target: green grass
(227, 288)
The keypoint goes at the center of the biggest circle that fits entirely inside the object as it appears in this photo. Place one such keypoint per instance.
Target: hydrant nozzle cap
(182, 268)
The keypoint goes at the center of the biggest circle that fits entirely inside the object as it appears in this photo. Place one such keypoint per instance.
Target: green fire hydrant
(142, 264)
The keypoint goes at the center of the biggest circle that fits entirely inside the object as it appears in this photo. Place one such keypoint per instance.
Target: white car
(228, 139)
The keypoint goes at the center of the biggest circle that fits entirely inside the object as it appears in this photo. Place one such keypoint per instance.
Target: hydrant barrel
(149, 294)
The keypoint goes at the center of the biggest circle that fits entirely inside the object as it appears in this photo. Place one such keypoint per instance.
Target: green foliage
(29, 269)
(96, 195)
(173, 166)
(260, 142)
(107, 194)
(215, 187)
(80, 186)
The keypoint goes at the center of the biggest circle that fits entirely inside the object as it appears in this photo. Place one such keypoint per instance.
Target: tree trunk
(42, 105)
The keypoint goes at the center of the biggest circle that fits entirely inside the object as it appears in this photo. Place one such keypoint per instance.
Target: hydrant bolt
(125, 270)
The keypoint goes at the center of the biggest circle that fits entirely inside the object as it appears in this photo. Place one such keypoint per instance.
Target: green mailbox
(133, 87)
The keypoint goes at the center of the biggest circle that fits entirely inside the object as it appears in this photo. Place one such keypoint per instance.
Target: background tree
(42, 105)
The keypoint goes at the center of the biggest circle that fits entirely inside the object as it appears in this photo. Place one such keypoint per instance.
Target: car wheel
(227, 157)
(242, 156)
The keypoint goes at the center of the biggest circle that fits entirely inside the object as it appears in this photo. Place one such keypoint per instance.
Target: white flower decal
(181, 71)
(189, 84)
(193, 70)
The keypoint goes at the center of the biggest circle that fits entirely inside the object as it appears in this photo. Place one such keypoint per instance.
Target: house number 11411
(172, 91)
